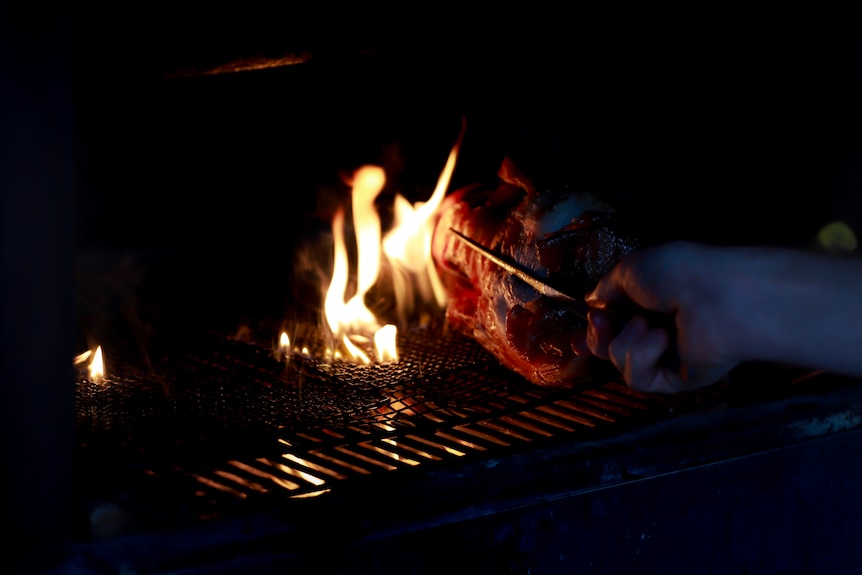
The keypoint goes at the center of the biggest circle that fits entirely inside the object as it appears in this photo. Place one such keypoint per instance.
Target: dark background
(731, 127)
(723, 127)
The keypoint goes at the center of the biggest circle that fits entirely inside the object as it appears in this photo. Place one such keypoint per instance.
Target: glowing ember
(407, 250)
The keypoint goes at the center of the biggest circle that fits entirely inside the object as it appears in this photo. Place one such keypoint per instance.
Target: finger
(621, 345)
(637, 353)
(644, 368)
(610, 288)
(599, 332)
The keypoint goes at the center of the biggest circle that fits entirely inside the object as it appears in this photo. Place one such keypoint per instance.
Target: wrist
(793, 307)
(720, 292)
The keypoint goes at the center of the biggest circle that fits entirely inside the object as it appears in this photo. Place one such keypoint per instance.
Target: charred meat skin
(571, 239)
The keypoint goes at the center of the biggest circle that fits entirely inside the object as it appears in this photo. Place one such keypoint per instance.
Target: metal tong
(577, 305)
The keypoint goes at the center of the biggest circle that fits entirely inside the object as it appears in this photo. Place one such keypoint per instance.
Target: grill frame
(518, 507)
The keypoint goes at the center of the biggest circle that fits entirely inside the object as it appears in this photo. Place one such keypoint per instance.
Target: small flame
(355, 351)
(384, 342)
(97, 367)
(82, 357)
(284, 344)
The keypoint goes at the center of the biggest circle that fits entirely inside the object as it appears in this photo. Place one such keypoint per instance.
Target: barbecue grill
(209, 450)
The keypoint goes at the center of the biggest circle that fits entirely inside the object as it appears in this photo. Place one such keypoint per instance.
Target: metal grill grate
(220, 426)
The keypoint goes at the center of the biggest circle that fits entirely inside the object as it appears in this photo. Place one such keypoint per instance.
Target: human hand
(688, 349)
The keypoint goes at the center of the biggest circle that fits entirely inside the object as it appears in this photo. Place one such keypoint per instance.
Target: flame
(82, 357)
(369, 182)
(284, 344)
(351, 316)
(408, 244)
(97, 366)
(355, 351)
(406, 249)
(385, 343)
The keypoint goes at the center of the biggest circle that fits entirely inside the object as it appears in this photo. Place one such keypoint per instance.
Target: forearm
(796, 308)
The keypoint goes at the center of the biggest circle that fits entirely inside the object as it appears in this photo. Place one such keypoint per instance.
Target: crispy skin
(568, 238)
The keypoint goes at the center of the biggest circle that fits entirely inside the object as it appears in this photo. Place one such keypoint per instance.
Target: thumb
(608, 290)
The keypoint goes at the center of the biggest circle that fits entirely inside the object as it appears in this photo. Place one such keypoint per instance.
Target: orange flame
(408, 245)
(351, 317)
(97, 367)
(407, 250)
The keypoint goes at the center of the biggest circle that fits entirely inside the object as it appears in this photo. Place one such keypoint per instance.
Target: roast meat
(570, 239)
